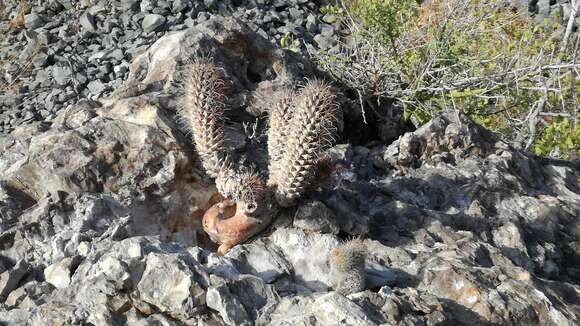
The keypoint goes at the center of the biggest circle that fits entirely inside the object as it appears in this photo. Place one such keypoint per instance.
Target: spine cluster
(242, 187)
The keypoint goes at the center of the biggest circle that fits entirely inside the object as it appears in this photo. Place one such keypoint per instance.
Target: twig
(533, 120)
(574, 7)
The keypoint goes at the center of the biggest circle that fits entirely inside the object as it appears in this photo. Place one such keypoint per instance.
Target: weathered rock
(315, 216)
(33, 21)
(62, 75)
(169, 284)
(257, 298)
(87, 21)
(308, 254)
(152, 22)
(230, 309)
(10, 279)
(261, 261)
(59, 273)
(333, 308)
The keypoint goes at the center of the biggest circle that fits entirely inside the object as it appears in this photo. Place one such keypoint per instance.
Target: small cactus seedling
(347, 266)
(302, 126)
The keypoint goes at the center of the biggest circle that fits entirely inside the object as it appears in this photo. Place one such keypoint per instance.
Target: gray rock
(28, 52)
(260, 261)
(311, 271)
(315, 216)
(543, 10)
(227, 305)
(96, 87)
(257, 298)
(41, 76)
(326, 30)
(152, 22)
(33, 21)
(311, 25)
(87, 21)
(169, 284)
(148, 5)
(10, 279)
(324, 42)
(508, 237)
(121, 70)
(58, 274)
(180, 5)
(116, 54)
(40, 60)
(62, 75)
(333, 308)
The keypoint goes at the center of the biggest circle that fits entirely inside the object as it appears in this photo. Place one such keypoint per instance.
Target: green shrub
(492, 63)
(559, 139)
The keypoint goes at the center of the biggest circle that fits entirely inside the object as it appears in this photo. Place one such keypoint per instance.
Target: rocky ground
(71, 50)
(101, 195)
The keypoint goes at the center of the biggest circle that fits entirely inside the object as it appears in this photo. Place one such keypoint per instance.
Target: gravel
(89, 45)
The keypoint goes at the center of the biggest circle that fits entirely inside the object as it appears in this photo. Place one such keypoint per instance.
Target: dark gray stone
(10, 279)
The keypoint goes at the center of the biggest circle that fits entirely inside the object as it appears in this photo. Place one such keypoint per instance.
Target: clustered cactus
(311, 129)
(303, 124)
(204, 114)
(347, 267)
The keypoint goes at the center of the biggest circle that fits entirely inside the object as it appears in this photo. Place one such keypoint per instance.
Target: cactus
(280, 118)
(247, 209)
(203, 112)
(347, 265)
(302, 126)
(312, 129)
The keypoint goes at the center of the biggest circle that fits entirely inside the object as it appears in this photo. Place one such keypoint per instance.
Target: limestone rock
(169, 284)
(59, 273)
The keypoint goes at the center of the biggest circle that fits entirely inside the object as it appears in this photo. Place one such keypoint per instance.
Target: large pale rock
(59, 273)
(169, 284)
(308, 254)
(333, 309)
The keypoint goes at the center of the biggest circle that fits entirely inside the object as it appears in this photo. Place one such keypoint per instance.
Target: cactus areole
(302, 126)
